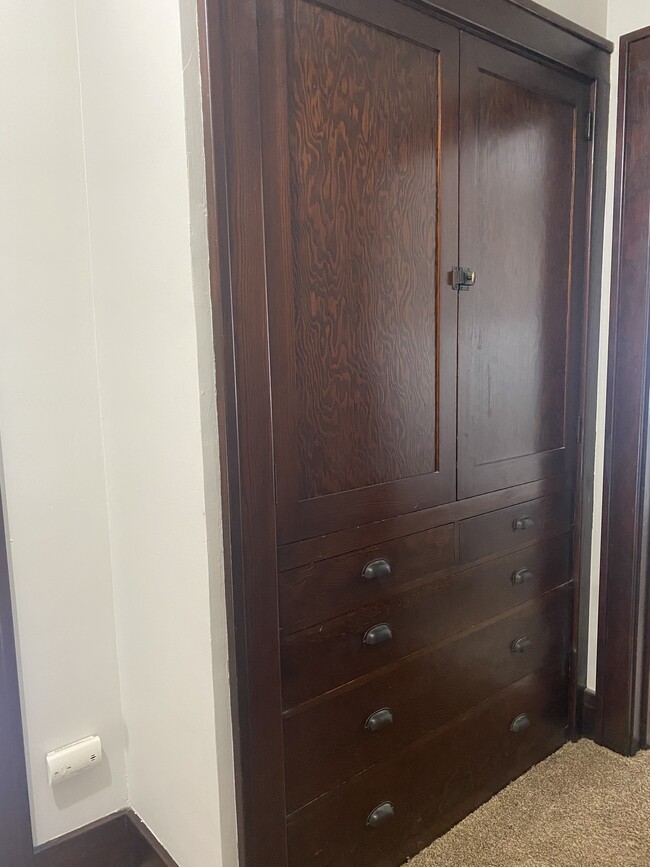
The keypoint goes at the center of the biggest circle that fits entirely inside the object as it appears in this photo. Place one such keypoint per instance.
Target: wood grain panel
(434, 783)
(362, 235)
(325, 656)
(323, 590)
(328, 743)
(364, 146)
(495, 532)
(518, 197)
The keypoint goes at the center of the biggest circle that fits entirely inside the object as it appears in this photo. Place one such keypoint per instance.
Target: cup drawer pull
(379, 634)
(520, 723)
(524, 523)
(521, 645)
(376, 569)
(379, 720)
(522, 576)
(383, 813)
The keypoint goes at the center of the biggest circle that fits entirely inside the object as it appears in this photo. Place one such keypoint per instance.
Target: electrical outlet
(67, 762)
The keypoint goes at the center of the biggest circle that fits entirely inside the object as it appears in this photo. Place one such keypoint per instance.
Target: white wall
(50, 421)
(107, 417)
(591, 14)
(150, 276)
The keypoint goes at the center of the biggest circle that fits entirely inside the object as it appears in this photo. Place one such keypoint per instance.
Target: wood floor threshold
(119, 840)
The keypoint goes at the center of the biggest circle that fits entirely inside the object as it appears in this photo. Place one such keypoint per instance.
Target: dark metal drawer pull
(382, 813)
(521, 645)
(522, 576)
(376, 569)
(379, 720)
(379, 634)
(524, 523)
(520, 723)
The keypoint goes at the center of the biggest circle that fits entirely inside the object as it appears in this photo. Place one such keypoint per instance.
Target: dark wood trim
(118, 840)
(623, 677)
(238, 277)
(157, 855)
(230, 68)
(586, 722)
(16, 845)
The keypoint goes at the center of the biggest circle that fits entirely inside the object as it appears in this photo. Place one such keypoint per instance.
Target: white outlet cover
(73, 759)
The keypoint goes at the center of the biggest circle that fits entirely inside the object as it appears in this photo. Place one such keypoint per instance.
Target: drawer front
(328, 588)
(513, 528)
(434, 783)
(321, 658)
(342, 735)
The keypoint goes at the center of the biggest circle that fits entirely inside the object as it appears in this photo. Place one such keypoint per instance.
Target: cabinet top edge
(565, 24)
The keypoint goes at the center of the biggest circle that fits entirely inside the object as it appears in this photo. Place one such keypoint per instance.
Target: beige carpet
(582, 807)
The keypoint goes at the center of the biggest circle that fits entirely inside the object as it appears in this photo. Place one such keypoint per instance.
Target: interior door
(523, 173)
(360, 138)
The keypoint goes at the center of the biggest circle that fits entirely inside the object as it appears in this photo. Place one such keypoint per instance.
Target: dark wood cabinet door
(360, 139)
(523, 193)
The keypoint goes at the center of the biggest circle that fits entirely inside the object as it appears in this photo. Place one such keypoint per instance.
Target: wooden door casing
(523, 193)
(359, 123)
(623, 675)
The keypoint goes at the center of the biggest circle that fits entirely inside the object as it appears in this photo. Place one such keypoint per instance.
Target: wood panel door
(360, 143)
(523, 196)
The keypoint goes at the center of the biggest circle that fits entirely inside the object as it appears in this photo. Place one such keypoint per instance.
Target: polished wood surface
(434, 783)
(328, 743)
(245, 53)
(361, 134)
(379, 532)
(321, 658)
(498, 531)
(364, 181)
(325, 589)
(623, 679)
(519, 346)
(230, 70)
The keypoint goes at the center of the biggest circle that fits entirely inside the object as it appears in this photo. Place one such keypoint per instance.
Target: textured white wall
(50, 419)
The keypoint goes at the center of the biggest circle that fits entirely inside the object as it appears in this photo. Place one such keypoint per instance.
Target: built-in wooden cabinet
(409, 239)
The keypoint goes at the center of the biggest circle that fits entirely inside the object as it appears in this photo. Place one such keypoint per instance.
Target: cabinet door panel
(359, 110)
(523, 170)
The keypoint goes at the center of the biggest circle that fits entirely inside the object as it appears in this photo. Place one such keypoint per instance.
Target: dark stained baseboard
(586, 722)
(118, 840)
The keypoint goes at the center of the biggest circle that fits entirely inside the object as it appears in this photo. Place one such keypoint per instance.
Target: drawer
(434, 783)
(332, 741)
(323, 657)
(514, 527)
(325, 589)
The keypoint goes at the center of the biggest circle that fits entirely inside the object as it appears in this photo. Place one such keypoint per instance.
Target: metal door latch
(463, 278)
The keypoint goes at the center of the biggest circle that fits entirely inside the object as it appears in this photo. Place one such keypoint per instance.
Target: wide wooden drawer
(323, 657)
(513, 528)
(338, 737)
(435, 782)
(325, 589)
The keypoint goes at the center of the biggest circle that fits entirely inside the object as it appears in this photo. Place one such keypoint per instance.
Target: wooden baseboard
(586, 722)
(118, 840)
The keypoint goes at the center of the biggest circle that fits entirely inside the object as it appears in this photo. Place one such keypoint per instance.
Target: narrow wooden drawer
(340, 736)
(434, 783)
(323, 657)
(514, 527)
(325, 589)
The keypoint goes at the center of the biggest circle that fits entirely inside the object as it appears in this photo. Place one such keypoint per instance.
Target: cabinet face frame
(230, 70)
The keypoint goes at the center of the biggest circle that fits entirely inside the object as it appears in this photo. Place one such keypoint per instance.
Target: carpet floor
(583, 807)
